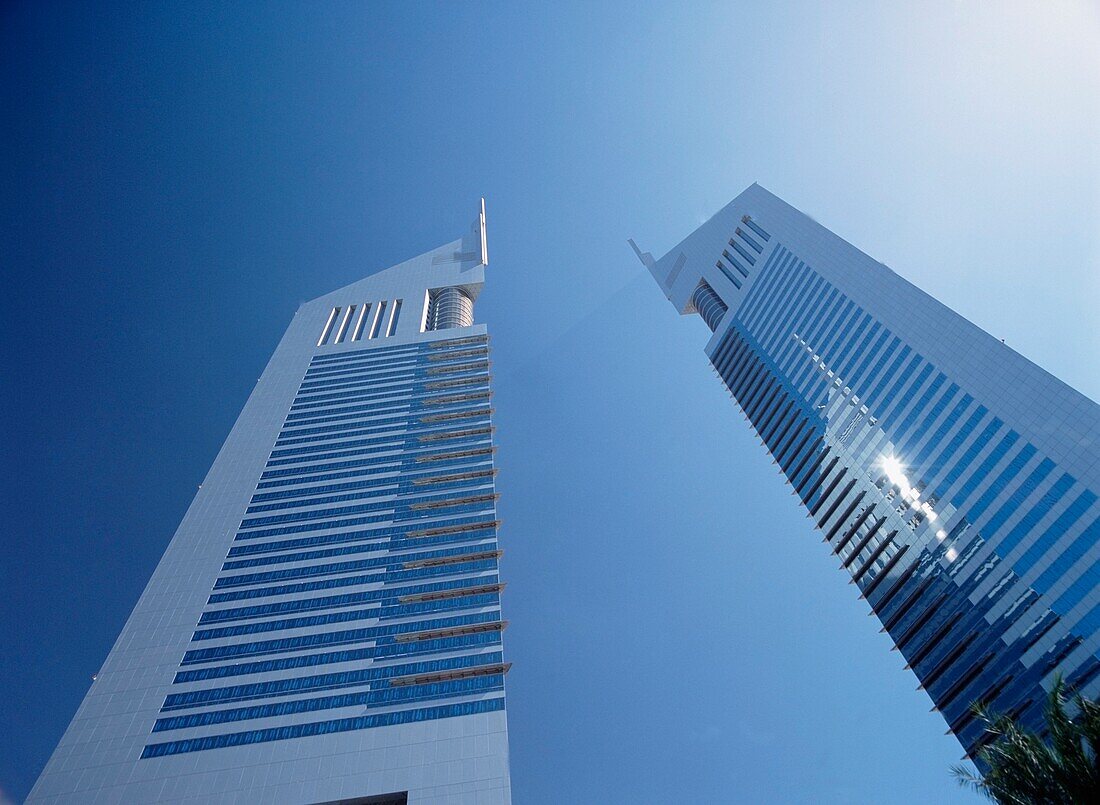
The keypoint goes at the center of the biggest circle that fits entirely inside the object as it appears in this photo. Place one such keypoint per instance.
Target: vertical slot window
(393, 318)
(357, 332)
(328, 326)
(376, 326)
(344, 322)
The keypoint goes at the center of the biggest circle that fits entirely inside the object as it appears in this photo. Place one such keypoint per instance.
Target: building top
(400, 301)
(732, 251)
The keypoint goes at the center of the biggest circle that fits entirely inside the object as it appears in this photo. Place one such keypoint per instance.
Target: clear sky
(174, 181)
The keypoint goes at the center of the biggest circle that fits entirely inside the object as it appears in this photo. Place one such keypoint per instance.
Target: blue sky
(176, 180)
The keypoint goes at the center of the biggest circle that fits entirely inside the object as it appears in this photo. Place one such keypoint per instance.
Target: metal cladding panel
(325, 623)
(956, 480)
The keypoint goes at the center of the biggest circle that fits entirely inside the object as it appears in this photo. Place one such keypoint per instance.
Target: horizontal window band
(375, 535)
(450, 384)
(458, 558)
(389, 572)
(455, 454)
(403, 364)
(469, 685)
(357, 375)
(390, 558)
(410, 449)
(325, 602)
(434, 634)
(875, 554)
(455, 342)
(445, 399)
(400, 517)
(756, 247)
(858, 548)
(413, 502)
(468, 353)
(390, 493)
(424, 347)
(431, 532)
(392, 478)
(386, 384)
(499, 669)
(456, 434)
(476, 366)
(747, 221)
(371, 470)
(466, 501)
(318, 682)
(459, 476)
(457, 415)
(386, 652)
(391, 430)
(379, 613)
(395, 462)
(408, 405)
(410, 391)
(395, 436)
(435, 596)
(885, 572)
(323, 639)
(322, 728)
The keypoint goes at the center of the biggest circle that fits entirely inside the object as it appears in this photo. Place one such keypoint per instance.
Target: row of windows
(409, 479)
(393, 436)
(381, 352)
(414, 517)
(420, 402)
(394, 385)
(387, 377)
(728, 274)
(387, 571)
(387, 353)
(381, 613)
(401, 413)
(410, 447)
(323, 727)
(392, 420)
(384, 697)
(398, 361)
(398, 511)
(392, 430)
(328, 602)
(374, 534)
(388, 651)
(427, 396)
(318, 379)
(373, 320)
(401, 490)
(400, 390)
(383, 561)
(319, 682)
(410, 501)
(394, 463)
(318, 639)
(1071, 554)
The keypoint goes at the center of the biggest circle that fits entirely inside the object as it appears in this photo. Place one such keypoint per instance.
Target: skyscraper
(955, 480)
(325, 624)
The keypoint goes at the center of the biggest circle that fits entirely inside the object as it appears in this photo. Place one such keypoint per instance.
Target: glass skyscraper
(955, 480)
(325, 625)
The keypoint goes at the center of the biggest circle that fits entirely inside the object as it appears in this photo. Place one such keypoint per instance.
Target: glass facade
(326, 623)
(924, 450)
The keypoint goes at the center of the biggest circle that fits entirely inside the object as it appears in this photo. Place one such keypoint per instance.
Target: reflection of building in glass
(956, 481)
